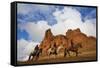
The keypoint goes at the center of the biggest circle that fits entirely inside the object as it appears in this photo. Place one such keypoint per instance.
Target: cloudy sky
(33, 20)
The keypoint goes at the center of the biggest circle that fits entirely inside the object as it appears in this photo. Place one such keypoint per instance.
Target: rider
(36, 48)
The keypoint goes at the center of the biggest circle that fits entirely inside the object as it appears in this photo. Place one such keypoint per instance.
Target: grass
(84, 56)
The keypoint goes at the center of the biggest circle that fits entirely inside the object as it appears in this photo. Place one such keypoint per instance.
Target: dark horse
(72, 48)
(35, 53)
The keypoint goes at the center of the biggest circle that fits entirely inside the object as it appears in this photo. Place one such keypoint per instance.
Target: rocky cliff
(64, 40)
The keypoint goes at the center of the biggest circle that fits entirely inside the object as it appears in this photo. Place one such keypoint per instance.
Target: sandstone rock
(64, 40)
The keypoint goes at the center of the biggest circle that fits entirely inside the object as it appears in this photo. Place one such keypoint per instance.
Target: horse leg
(76, 53)
(68, 52)
(29, 57)
(36, 58)
(49, 54)
(65, 52)
(37, 55)
(55, 54)
(41, 51)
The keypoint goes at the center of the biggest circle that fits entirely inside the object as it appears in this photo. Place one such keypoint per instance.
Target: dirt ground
(83, 56)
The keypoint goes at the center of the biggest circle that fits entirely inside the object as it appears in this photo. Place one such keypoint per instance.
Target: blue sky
(33, 13)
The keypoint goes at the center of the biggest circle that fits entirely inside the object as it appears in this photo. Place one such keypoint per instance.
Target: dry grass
(83, 56)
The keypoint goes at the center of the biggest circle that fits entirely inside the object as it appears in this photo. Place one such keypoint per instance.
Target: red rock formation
(75, 35)
(45, 44)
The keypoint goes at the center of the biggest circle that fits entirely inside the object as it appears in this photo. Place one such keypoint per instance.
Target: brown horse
(52, 50)
(72, 48)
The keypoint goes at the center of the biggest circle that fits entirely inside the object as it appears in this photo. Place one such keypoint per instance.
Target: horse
(35, 53)
(59, 48)
(72, 48)
(52, 50)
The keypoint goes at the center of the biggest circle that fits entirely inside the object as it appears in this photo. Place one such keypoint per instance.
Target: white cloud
(24, 48)
(68, 13)
(36, 31)
(68, 18)
(89, 27)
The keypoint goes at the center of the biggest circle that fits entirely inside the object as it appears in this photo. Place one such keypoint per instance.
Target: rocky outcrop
(76, 36)
(64, 40)
(45, 44)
